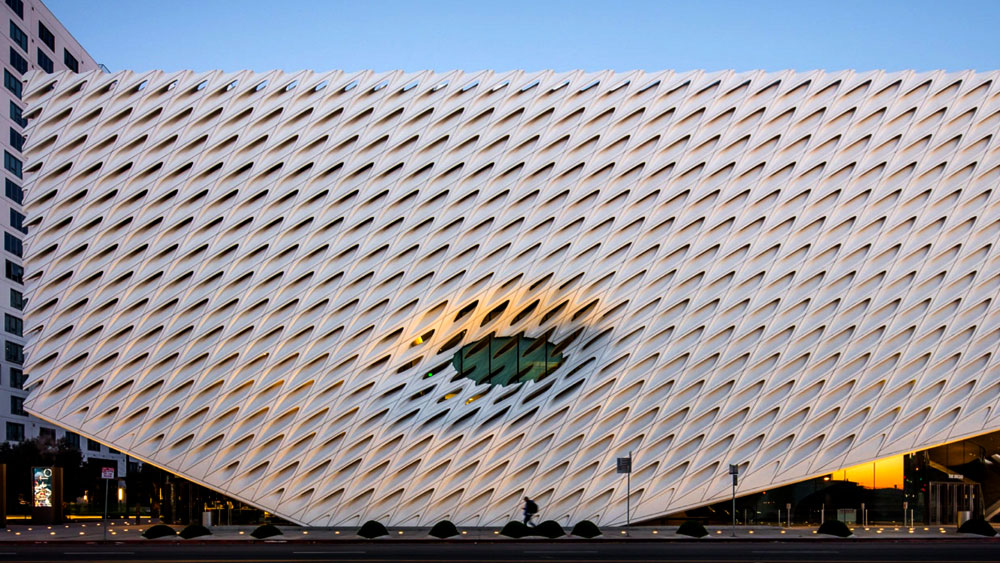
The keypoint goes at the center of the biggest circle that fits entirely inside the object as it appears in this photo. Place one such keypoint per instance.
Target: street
(709, 551)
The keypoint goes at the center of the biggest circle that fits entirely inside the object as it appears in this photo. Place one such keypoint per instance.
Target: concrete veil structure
(260, 281)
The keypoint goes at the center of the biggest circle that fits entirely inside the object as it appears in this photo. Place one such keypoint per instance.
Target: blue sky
(538, 34)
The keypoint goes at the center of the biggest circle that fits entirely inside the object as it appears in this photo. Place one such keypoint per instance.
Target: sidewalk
(119, 531)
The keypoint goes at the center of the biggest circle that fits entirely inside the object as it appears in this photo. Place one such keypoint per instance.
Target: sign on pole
(107, 473)
(734, 470)
(624, 465)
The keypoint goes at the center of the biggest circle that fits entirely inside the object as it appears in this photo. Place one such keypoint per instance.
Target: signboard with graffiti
(41, 485)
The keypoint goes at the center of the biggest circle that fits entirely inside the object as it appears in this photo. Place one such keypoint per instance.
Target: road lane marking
(328, 552)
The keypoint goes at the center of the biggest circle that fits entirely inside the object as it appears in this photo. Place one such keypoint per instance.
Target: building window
(14, 352)
(12, 83)
(17, 406)
(13, 325)
(44, 61)
(93, 446)
(47, 433)
(71, 62)
(17, 378)
(11, 162)
(19, 36)
(16, 299)
(18, 62)
(72, 439)
(17, 221)
(14, 271)
(12, 244)
(17, 6)
(46, 36)
(15, 432)
(17, 115)
(14, 192)
(16, 140)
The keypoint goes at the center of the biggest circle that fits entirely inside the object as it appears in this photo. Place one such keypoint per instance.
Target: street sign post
(625, 466)
(107, 474)
(734, 470)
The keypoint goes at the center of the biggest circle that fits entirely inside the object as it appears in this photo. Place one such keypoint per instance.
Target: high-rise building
(411, 297)
(33, 40)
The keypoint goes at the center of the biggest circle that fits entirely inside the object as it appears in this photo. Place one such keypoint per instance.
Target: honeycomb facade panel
(259, 281)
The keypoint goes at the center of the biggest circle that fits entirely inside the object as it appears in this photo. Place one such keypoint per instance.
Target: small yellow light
(911, 531)
(814, 531)
(49, 528)
(878, 531)
(718, 531)
(623, 532)
(52, 533)
(749, 531)
(305, 533)
(464, 532)
(81, 533)
(495, 532)
(241, 532)
(17, 533)
(655, 532)
(782, 531)
(401, 532)
(337, 533)
(418, 341)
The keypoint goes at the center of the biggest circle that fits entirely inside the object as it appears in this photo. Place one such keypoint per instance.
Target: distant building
(34, 40)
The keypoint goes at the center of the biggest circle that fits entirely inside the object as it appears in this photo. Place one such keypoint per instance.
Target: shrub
(372, 529)
(586, 529)
(835, 528)
(549, 529)
(194, 531)
(692, 528)
(444, 529)
(515, 529)
(977, 526)
(266, 531)
(158, 531)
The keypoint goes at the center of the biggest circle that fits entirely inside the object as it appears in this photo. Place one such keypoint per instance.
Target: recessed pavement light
(655, 532)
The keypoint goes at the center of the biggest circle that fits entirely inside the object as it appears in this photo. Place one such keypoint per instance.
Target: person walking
(530, 510)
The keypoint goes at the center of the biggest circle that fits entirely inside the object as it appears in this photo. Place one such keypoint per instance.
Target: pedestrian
(530, 510)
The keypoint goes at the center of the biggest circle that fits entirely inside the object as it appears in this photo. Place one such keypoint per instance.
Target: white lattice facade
(259, 283)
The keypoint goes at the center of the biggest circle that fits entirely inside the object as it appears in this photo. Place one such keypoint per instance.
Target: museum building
(410, 297)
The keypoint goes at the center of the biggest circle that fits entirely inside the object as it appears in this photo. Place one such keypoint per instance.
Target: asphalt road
(716, 552)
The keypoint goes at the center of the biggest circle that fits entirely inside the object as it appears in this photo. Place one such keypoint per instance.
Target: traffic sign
(107, 473)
